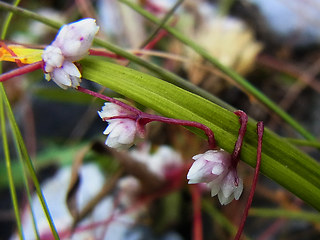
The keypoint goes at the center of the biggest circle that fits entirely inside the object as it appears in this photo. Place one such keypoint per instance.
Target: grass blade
(8, 167)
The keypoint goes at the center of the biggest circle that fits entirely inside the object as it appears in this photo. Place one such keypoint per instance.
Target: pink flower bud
(71, 44)
(75, 39)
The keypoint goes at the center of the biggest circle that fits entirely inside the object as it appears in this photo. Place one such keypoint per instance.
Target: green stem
(9, 170)
(302, 142)
(26, 184)
(29, 14)
(283, 213)
(162, 23)
(7, 21)
(229, 72)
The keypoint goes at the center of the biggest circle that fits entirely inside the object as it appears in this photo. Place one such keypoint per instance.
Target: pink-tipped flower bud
(71, 44)
(76, 38)
(122, 130)
(214, 168)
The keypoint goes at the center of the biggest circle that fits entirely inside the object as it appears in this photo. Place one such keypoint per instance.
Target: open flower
(71, 44)
(214, 168)
(123, 129)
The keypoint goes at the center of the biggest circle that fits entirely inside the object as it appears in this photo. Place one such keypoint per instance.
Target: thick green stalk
(229, 72)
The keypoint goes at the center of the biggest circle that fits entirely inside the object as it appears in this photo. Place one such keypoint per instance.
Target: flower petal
(228, 185)
(218, 169)
(75, 39)
(52, 57)
(238, 190)
(71, 69)
(224, 200)
(60, 76)
(128, 132)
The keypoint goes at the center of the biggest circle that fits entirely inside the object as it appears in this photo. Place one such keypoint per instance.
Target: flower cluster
(71, 44)
(215, 169)
(123, 129)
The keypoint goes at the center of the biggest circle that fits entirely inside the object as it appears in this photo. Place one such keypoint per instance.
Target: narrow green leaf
(8, 167)
(281, 161)
(283, 213)
(26, 183)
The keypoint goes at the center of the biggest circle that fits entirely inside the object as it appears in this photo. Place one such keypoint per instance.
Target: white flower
(71, 44)
(122, 132)
(214, 168)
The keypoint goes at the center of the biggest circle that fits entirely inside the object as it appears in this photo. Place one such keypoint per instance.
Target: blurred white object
(37, 30)
(295, 21)
(230, 41)
(55, 191)
(160, 162)
(122, 23)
